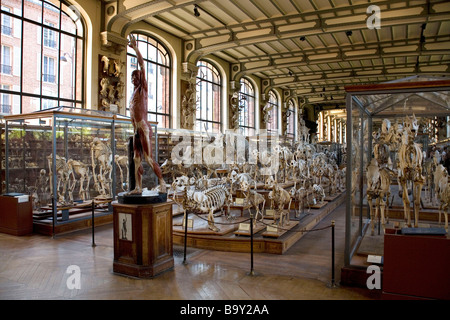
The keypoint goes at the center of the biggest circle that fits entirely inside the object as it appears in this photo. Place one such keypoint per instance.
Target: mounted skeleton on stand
(410, 169)
(443, 192)
(300, 195)
(253, 198)
(202, 201)
(101, 156)
(63, 172)
(383, 175)
(280, 197)
(82, 170)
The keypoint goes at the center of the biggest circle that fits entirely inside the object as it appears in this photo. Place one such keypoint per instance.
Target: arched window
(272, 124)
(290, 130)
(158, 63)
(42, 54)
(208, 117)
(247, 107)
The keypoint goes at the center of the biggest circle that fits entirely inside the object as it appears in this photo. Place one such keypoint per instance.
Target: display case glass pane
(381, 117)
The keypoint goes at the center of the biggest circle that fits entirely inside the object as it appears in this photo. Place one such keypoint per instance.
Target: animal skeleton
(62, 173)
(318, 192)
(281, 198)
(410, 168)
(208, 201)
(82, 170)
(444, 196)
(378, 187)
(203, 201)
(301, 196)
(254, 198)
(101, 155)
(122, 161)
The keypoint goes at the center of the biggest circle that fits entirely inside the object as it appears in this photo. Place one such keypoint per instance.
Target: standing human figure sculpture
(142, 144)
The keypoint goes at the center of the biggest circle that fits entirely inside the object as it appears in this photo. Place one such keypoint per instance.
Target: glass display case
(374, 111)
(65, 157)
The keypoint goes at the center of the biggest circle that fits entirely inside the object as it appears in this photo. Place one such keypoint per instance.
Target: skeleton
(444, 197)
(255, 199)
(439, 173)
(300, 195)
(42, 188)
(82, 170)
(122, 161)
(285, 156)
(281, 198)
(378, 187)
(318, 192)
(207, 201)
(410, 168)
(63, 172)
(379, 175)
(101, 155)
(237, 179)
(205, 183)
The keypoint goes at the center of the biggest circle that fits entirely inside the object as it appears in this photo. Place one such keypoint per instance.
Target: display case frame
(364, 104)
(59, 125)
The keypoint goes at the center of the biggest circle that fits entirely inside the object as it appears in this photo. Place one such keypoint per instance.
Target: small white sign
(244, 226)
(270, 212)
(272, 228)
(190, 223)
(239, 201)
(22, 198)
(374, 259)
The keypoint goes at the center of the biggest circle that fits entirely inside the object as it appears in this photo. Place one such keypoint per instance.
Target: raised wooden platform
(199, 237)
(80, 222)
(72, 218)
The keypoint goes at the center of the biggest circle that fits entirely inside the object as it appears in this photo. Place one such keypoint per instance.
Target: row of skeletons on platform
(310, 170)
(410, 172)
(71, 173)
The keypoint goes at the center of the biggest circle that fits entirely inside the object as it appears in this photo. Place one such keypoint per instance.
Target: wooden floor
(34, 267)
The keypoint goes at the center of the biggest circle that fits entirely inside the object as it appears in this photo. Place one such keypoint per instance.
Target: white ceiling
(263, 38)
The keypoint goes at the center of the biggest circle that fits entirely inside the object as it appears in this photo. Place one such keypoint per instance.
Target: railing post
(92, 223)
(185, 235)
(252, 272)
(333, 281)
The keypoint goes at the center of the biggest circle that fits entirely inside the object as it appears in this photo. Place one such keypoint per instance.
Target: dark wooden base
(83, 221)
(416, 266)
(143, 271)
(143, 245)
(15, 217)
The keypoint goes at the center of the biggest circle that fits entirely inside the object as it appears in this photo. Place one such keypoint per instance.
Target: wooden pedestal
(16, 217)
(143, 245)
(416, 267)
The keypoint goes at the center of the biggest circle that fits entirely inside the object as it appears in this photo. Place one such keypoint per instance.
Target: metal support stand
(185, 236)
(252, 272)
(92, 223)
(53, 217)
(333, 282)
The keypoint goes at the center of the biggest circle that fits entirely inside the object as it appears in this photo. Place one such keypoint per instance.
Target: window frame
(245, 125)
(203, 83)
(273, 112)
(291, 119)
(77, 96)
